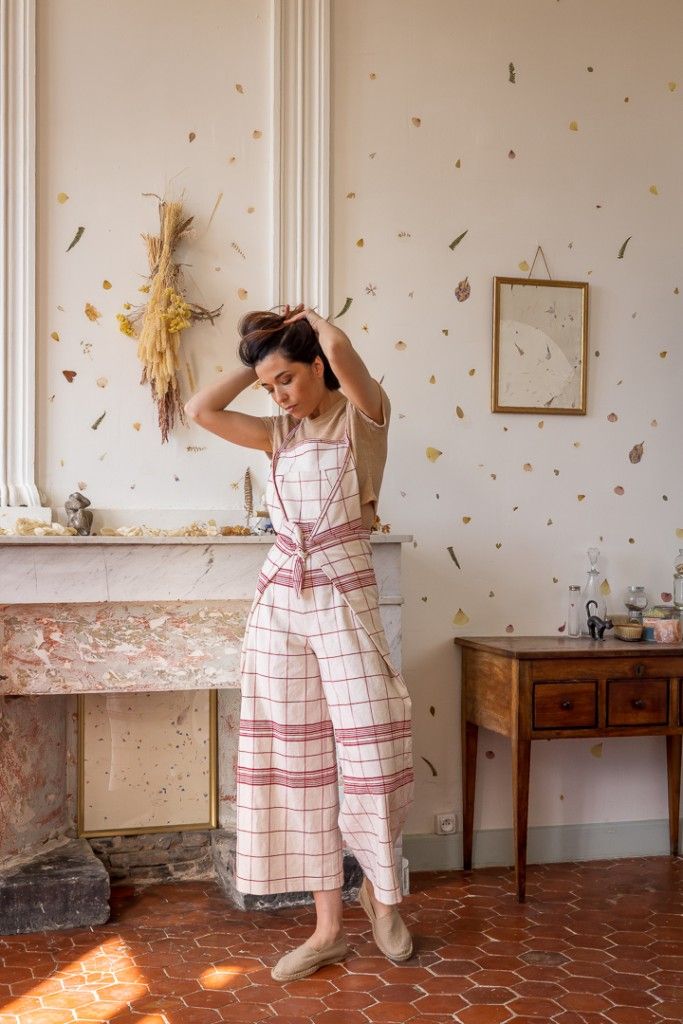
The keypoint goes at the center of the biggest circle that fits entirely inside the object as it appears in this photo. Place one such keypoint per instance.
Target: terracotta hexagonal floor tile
(483, 1014)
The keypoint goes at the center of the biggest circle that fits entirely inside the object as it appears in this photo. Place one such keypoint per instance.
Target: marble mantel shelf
(113, 614)
(266, 538)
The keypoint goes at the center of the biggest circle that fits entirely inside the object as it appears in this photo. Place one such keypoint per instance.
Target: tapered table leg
(470, 733)
(521, 759)
(673, 774)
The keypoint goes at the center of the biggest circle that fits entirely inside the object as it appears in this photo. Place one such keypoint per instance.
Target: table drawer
(641, 665)
(566, 705)
(630, 702)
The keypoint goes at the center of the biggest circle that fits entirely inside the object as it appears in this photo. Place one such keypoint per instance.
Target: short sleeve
(366, 423)
(277, 427)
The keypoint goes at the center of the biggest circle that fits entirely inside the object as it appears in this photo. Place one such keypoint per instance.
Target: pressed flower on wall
(159, 322)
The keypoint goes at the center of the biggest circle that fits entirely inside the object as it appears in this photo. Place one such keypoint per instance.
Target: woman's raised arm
(207, 408)
(361, 389)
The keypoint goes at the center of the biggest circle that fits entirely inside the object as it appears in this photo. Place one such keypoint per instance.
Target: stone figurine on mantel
(77, 513)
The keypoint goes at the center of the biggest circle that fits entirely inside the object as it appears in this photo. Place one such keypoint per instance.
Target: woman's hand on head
(324, 330)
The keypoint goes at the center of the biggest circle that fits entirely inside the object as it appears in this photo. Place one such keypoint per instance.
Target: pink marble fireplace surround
(112, 614)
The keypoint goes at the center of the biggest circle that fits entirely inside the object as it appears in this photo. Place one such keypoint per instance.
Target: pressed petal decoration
(636, 453)
(458, 240)
(400, 345)
(62, 197)
(623, 248)
(460, 618)
(467, 519)
(242, 293)
(612, 417)
(459, 413)
(137, 426)
(106, 285)
(344, 309)
(654, 190)
(605, 588)
(69, 374)
(524, 266)
(453, 555)
(55, 336)
(462, 292)
(573, 126)
(433, 454)
(95, 425)
(360, 243)
(101, 382)
(416, 121)
(91, 313)
(192, 136)
(619, 490)
(76, 239)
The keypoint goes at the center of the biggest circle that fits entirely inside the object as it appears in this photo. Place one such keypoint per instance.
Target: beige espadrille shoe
(305, 960)
(389, 932)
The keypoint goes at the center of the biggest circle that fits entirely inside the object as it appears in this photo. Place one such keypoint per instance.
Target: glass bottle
(591, 592)
(678, 581)
(574, 612)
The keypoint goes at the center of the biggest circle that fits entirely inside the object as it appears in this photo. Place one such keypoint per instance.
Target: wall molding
(18, 255)
(547, 844)
(301, 153)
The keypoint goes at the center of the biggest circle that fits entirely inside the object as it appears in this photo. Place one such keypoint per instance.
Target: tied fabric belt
(300, 546)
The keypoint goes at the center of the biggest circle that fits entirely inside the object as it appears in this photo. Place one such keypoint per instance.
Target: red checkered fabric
(320, 696)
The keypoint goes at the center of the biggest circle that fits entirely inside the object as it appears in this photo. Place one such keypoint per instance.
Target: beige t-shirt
(368, 442)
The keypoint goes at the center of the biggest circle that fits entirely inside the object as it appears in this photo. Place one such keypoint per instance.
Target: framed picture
(147, 762)
(540, 346)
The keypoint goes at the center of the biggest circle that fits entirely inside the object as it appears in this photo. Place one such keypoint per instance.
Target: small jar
(573, 611)
(635, 600)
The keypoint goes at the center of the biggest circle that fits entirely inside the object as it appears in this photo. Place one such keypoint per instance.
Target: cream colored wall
(579, 194)
(120, 87)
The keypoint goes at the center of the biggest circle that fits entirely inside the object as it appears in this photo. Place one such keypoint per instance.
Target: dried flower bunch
(159, 322)
(195, 529)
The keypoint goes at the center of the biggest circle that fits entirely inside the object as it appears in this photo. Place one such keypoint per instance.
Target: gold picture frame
(134, 799)
(540, 346)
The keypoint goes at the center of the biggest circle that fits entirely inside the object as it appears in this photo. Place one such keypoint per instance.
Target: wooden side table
(536, 687)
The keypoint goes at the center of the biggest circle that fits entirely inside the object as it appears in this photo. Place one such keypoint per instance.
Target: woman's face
(296, 387)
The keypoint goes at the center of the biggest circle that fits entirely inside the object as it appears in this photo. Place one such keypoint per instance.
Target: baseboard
(546, 844)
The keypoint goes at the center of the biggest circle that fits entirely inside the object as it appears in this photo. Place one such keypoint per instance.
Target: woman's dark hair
(264, 331)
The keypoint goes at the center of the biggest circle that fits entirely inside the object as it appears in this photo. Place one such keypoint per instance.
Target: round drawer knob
(640, 669)
(567, 705)
(638, 703)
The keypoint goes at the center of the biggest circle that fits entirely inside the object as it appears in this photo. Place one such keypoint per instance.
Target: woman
(317, 681)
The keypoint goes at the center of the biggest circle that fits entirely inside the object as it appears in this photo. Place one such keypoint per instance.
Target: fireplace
(131, 616)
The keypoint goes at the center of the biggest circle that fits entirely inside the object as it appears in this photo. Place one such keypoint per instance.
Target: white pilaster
(301, 119)
(17, 261)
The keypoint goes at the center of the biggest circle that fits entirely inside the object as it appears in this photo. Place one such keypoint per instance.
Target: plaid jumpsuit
(319, 692)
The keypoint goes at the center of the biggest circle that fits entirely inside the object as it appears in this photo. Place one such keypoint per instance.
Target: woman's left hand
(317, 322)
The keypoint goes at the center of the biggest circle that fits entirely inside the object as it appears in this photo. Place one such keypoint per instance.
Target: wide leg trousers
(318, 698)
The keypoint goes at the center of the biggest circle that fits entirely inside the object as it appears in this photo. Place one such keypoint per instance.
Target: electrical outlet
(445, 824)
